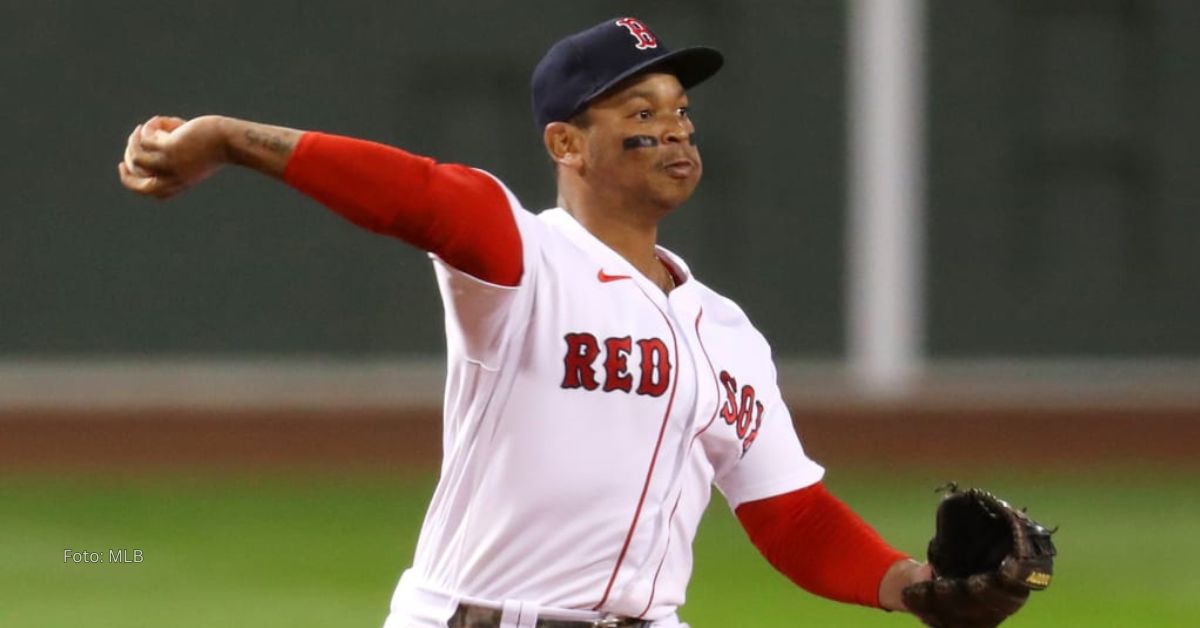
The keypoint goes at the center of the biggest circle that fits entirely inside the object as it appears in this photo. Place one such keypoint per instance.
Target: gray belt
(468, 616)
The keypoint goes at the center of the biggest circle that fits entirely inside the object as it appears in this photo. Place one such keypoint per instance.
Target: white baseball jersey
(586, 416)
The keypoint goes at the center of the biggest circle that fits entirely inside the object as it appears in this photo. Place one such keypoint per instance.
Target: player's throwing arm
(165, 155)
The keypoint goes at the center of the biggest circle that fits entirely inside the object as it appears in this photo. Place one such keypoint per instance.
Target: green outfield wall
(1063, 195)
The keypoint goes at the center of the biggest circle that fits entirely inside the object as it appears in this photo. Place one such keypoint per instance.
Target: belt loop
(518, 614)
(529, 614)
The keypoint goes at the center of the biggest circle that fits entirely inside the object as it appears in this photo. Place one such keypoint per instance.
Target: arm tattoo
(273, 143)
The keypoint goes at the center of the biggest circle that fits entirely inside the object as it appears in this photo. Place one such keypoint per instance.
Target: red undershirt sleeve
(820, 544)
(460, 214)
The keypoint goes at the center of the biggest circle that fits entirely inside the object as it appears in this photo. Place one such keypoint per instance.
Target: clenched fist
(166, 155)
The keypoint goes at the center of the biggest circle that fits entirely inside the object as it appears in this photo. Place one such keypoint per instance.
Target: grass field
(298, 550)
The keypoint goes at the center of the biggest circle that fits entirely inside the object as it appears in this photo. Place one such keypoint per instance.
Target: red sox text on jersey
(582, 363)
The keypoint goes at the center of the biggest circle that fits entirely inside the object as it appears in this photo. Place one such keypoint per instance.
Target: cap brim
(691, 66)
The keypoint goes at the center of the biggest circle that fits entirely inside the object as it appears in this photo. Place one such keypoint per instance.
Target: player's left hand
(987, 557)
(901, 575)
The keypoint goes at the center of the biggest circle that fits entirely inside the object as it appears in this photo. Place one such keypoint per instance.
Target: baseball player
(596, 389)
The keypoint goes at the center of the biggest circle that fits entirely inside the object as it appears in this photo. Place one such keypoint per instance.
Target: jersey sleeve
(461, 214)
(774, 463)
(481, 315)
(463, 217)
(819, 543)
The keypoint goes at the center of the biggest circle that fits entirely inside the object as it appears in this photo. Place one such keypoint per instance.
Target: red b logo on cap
(645, 39)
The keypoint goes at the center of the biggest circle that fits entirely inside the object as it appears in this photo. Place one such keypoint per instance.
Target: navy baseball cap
(582, 66)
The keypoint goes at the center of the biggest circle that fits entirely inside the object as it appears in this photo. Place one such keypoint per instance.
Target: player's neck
(632, 235)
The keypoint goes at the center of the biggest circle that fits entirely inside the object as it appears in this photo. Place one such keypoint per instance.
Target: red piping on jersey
(716, 382)
(662, 430)
(666, 550)
(671, 519)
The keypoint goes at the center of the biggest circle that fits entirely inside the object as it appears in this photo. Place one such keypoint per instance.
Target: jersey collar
(613, 263)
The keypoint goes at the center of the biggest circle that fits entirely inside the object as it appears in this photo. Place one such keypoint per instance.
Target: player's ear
(564, 143)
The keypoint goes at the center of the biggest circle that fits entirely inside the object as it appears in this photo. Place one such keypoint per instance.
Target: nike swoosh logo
(605, 277)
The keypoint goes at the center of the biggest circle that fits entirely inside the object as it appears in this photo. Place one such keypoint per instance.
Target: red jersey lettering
(741, 409)
(656, 366)
(582, 350)
(616, 365)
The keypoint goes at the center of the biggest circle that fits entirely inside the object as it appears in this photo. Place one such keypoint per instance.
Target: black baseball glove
(986, 558)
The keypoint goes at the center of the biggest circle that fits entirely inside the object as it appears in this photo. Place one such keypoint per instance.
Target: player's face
(639, 141)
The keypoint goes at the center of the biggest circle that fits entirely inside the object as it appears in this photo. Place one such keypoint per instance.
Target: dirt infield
(410, 438)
